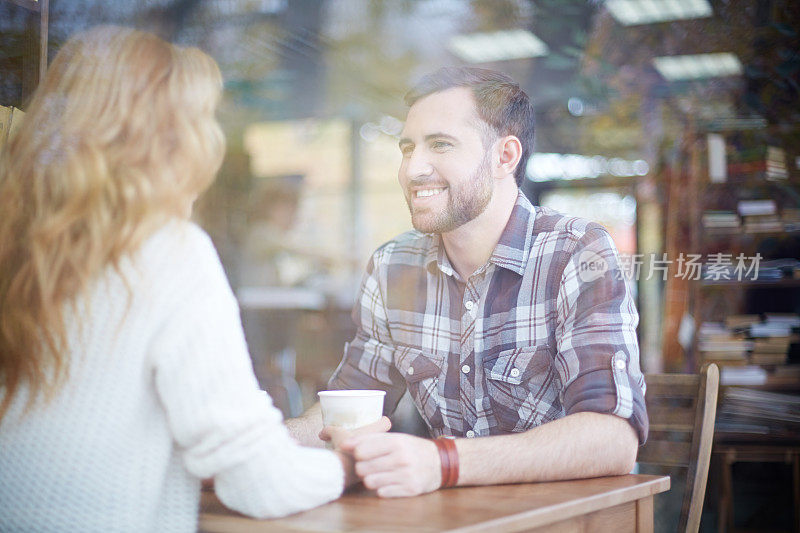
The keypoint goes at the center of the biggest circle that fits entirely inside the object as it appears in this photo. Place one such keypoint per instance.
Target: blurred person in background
(124, 374)
(503, 320)
(271, 255)
(272, 258)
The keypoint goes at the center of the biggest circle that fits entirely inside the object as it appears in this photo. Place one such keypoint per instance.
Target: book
(740, 346)
(762, 223)
(770, 329)
(717, 158)
(772, 345)
(741, 321)
(720, 219)
(768, 359)
(776, 163)
(756, 207)
(746, 375)
(791, 320)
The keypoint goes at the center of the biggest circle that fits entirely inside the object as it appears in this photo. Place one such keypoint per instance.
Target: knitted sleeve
(226, 427)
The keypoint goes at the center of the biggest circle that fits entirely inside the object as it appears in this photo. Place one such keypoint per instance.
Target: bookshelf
(744, 201)
(748, 202)
(748, 325)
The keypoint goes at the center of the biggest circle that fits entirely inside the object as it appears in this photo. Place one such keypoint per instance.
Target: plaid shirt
(545, 329)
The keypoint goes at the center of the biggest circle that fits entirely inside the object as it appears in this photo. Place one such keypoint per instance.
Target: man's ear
(510, 154)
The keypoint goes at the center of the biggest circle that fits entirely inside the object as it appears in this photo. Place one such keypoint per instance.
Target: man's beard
(464, 203)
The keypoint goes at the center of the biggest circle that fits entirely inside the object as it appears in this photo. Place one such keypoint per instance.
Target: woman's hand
(336, 435)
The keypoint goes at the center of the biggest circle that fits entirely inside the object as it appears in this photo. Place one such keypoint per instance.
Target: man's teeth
(428, 192)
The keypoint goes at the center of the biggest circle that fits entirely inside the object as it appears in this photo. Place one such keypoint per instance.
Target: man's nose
(418, 165)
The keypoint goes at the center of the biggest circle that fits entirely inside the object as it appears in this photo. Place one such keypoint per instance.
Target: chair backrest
(682, 409)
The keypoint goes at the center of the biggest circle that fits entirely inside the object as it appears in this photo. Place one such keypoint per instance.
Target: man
(503, 320)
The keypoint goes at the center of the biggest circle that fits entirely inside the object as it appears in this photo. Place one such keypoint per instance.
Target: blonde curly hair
(119, 137)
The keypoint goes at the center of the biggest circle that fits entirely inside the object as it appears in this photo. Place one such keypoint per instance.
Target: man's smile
(424, 193)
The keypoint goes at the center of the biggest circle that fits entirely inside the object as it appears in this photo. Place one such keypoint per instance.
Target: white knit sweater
(161, 393)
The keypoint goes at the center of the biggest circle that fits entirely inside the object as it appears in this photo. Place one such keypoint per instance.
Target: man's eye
(406, 150)
(441, 145)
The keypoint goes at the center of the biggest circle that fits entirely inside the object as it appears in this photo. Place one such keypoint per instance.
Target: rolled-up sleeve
(368, 359)
(598, 351)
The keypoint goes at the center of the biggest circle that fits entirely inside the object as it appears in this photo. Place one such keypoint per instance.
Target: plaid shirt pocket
(421, 372)
(521, 385)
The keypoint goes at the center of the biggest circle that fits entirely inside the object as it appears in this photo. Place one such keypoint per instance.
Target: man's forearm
(581, 445)
(306, 427)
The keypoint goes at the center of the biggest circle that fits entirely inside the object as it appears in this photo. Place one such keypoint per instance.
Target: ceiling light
(754, 122)
(246, 7)
(546, 167)
(696, 67)
(632, 12)
(497, 46)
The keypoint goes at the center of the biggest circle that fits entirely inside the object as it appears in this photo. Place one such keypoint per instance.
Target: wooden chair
(682, 409)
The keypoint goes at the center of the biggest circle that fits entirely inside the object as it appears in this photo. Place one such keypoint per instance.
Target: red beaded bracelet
(448, 454)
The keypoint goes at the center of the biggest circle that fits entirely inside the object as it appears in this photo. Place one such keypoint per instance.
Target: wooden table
(618, 504)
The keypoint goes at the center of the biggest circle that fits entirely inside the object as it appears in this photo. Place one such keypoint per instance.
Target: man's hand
(336, 435)
(395, 464)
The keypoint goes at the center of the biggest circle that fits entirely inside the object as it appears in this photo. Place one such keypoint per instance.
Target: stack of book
(770, 351)
(760, 412)
(747, 339)
(758, 159)
(772, 338)
(776, 163)
(759, 216)
(762, 224)
(721, 220)
(719, 344)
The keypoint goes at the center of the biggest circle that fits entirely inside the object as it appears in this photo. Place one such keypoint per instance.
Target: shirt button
(465, 369)
(515, 372)
(411, 371)
(469, 305)
(620, 364)
(470, 434)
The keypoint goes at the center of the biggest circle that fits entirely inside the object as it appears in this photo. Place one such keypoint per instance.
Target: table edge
(566, 510)
(216, 523)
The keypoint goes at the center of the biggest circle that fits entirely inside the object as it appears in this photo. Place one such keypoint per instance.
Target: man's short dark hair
(500, 103)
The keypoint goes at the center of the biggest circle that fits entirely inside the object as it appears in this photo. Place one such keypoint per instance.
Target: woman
(124, 375)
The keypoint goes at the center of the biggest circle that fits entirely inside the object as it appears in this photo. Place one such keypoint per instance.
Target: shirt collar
(515, 242)
(512, 249)
(437, 258)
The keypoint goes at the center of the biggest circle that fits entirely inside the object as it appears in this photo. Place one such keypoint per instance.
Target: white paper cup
(351, 409)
